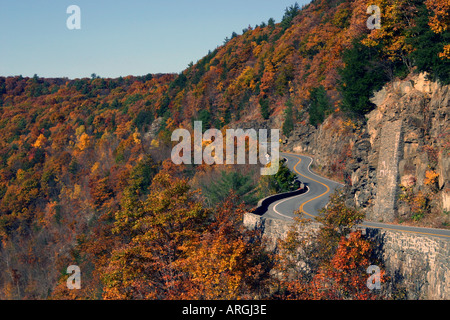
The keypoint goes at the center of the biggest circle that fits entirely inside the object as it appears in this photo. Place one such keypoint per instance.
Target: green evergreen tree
(205, 117)
(73, 166)
(242, 186)
(265, 111)
(288, 124)
(144, 117)
(428, 45)
(363, 74)
(289, 15)
(284, 180)
(142, 174)
(318, 105)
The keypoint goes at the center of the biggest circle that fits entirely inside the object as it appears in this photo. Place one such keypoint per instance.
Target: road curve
(317, 196)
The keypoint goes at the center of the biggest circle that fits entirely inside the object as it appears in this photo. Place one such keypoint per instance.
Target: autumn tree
(345, 277)
(397, 22)
(154, 230)
(227, 262)
(328, 262)
(440, 18)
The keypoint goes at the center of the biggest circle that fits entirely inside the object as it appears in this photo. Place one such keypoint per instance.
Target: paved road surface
(317, 196)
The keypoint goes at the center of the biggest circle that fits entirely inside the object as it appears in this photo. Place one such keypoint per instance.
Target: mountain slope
(72, 149)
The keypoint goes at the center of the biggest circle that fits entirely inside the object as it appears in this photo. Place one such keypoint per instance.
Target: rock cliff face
(409, 136)
(396, 167)
(418, 266)
(330, 144)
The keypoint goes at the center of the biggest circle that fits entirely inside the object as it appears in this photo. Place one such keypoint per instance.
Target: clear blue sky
(120, 38)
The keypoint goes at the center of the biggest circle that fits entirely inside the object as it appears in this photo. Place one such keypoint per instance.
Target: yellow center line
(303, 204)
(362, 225)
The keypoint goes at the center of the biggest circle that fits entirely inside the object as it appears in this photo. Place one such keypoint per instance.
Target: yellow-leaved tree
(397, 20)
(227, 262)
(173, 248)
(440, 21)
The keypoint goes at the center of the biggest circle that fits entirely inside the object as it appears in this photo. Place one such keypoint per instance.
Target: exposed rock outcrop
(418, 266)
(406, 167)
(422, 107)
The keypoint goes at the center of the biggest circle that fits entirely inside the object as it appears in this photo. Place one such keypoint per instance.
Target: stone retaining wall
(419, 265)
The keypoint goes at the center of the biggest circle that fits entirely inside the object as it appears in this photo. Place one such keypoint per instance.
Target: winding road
(317, 196)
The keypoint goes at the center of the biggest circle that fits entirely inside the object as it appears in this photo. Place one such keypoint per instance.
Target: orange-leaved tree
(326, 260)
(154, 232)
(345, 277)
(227, 262)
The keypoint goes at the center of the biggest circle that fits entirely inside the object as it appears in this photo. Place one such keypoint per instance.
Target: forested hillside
(85, 177)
